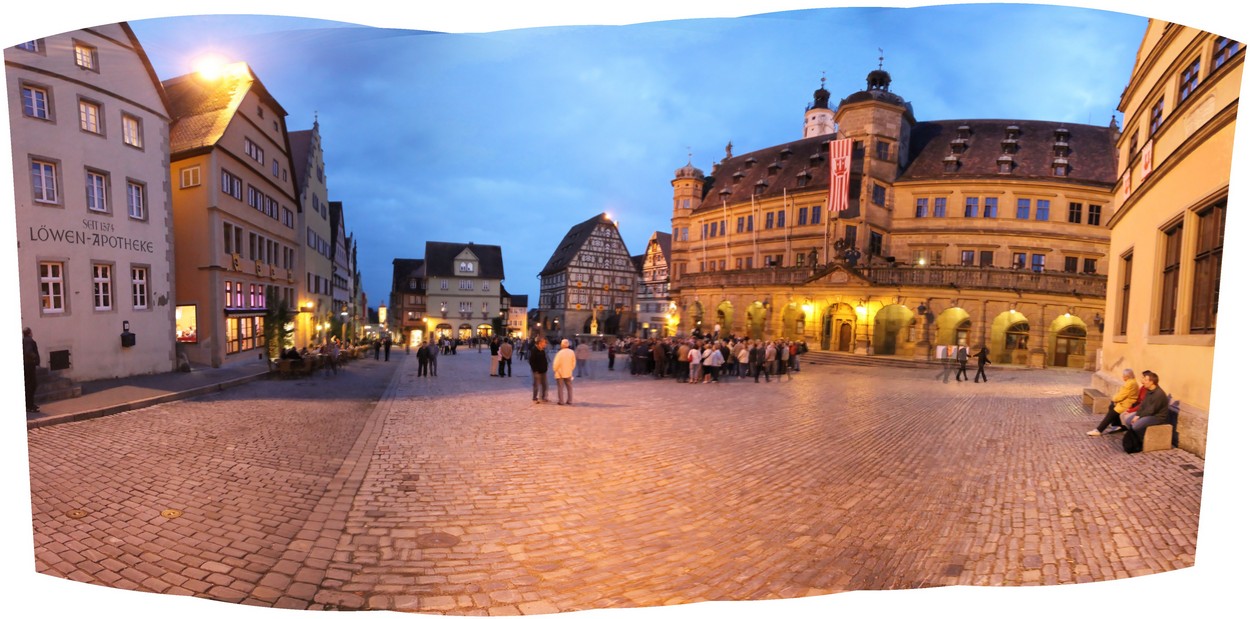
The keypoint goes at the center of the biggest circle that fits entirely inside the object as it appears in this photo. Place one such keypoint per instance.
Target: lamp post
(343, 315)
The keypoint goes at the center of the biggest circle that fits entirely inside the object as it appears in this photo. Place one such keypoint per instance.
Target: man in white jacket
(562, 368)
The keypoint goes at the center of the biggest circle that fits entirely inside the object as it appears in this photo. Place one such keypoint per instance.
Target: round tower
(818, 118)
(687, 196)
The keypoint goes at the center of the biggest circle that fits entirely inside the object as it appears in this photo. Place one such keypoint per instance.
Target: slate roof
(520, 300)
(1091, 152)
(202, 109)
(440, 259)
(571, 243)
(779, 168)
(301, 147)
(405, 268)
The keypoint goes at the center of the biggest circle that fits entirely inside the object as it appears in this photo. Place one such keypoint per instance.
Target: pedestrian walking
(494, 356)
(961, 356)
(695, 358)
(377, 350)
(538, 370)
(386, 347)
(30, 366)
(433, 358)
(583, 359)
(562, 368)
(611, 357)
(983, 358)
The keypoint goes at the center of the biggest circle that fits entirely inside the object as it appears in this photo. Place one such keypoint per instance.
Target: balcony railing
(975, 278)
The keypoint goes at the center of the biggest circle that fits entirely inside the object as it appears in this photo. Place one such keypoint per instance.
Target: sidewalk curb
(144, 403)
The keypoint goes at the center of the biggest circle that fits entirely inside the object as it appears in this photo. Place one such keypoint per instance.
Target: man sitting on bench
(1122, 402)
(1153, 410)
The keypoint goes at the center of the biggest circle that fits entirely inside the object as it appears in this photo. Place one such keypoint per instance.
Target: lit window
(52, 287)
(85, 56)
(132, 131)
(89, 117)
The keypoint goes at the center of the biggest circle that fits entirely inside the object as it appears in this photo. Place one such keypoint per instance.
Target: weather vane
(880, 58)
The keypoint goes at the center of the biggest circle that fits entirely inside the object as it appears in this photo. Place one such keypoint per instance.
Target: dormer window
(725, 191)
(1013, 132)
(773, 167)
(964, 132)
(785, 153)
(959, 145)
(737, 176)
(1004, 164)
(1060, 167)
(803, 177)
(950, 164)
(760, 186)
(749, 162)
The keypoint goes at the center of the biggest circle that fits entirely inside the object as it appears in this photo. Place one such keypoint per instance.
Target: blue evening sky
(529, 121)
(509, 138)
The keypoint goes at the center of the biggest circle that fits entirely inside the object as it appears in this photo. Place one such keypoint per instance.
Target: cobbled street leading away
(455, 494)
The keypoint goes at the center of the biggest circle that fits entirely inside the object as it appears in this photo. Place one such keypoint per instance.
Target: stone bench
(1096, 400)
(1157, 438)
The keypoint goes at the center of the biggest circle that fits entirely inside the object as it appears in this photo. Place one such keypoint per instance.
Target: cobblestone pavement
(456, 494)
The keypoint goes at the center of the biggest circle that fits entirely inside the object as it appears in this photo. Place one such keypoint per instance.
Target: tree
(279, 328)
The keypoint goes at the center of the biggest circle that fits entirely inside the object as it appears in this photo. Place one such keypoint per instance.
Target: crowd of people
(705, 360)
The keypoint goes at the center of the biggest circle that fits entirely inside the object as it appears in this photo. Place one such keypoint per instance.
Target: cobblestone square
(456, 494)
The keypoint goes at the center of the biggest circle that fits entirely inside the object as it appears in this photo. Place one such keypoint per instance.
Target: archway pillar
(1037, 337)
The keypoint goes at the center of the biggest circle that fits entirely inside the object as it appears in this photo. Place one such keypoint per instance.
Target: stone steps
(53, 387)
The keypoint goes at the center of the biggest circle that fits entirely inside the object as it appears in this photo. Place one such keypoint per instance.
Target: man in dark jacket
(30, 362)
(1153, 409)
(538, 368)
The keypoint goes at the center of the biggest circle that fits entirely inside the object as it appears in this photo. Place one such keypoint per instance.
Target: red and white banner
(839, 174)
(1147, 159)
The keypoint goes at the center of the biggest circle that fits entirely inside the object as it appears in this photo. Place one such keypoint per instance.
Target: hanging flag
(839, 175)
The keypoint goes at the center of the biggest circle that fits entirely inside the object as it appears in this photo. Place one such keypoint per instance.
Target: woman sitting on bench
(1122, 402)
(1153, 409)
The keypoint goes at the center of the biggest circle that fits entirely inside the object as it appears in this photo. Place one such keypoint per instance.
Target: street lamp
(343, 314)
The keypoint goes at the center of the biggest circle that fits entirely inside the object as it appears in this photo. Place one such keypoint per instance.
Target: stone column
(1037, 338)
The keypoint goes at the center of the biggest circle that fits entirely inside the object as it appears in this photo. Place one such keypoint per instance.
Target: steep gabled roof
(440, 259)
(301, 151)
(665, 241)
(202, 108)
(520, 300)
(572, 243)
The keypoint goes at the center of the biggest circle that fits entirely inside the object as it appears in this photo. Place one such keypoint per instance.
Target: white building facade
(90, 128)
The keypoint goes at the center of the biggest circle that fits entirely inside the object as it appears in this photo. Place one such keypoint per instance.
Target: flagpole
(755, 236)
(786, 209)
(725, 214)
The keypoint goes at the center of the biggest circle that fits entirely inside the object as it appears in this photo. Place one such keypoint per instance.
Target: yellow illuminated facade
(1167, 229)
(958, 232)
